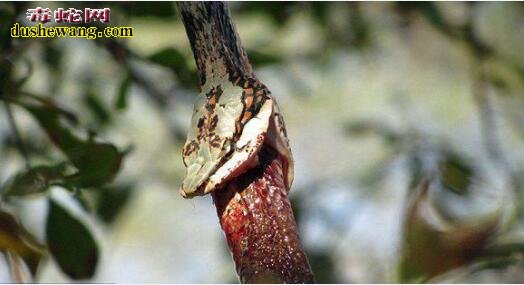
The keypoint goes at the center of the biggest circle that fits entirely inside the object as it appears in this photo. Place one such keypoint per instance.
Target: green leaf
(6, 69)
(111, 200)
(14, 238)
(319, 12)
(123, 91)
(431, 248)
(97, 163)
(70, 242)
(323, 264)
(259, 58)
(7, 12)
(34, 180)
(371, 127)
(97, 107)
(53, 56)
(49, 119)
(176, 61)
(169, 57)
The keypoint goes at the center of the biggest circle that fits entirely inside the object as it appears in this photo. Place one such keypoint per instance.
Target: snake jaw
(277, 139)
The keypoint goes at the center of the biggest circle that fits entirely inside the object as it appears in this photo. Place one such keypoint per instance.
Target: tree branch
(214, 40)
(256, 216)
(253, 208)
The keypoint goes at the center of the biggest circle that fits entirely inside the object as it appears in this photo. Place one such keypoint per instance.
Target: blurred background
(406, 121)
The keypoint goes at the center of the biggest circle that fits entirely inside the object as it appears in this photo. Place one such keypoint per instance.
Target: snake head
(230, 124)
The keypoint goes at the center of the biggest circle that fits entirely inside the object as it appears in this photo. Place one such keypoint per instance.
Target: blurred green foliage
(75, 156)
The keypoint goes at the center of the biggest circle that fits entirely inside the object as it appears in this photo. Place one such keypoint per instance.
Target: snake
(234, 114)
